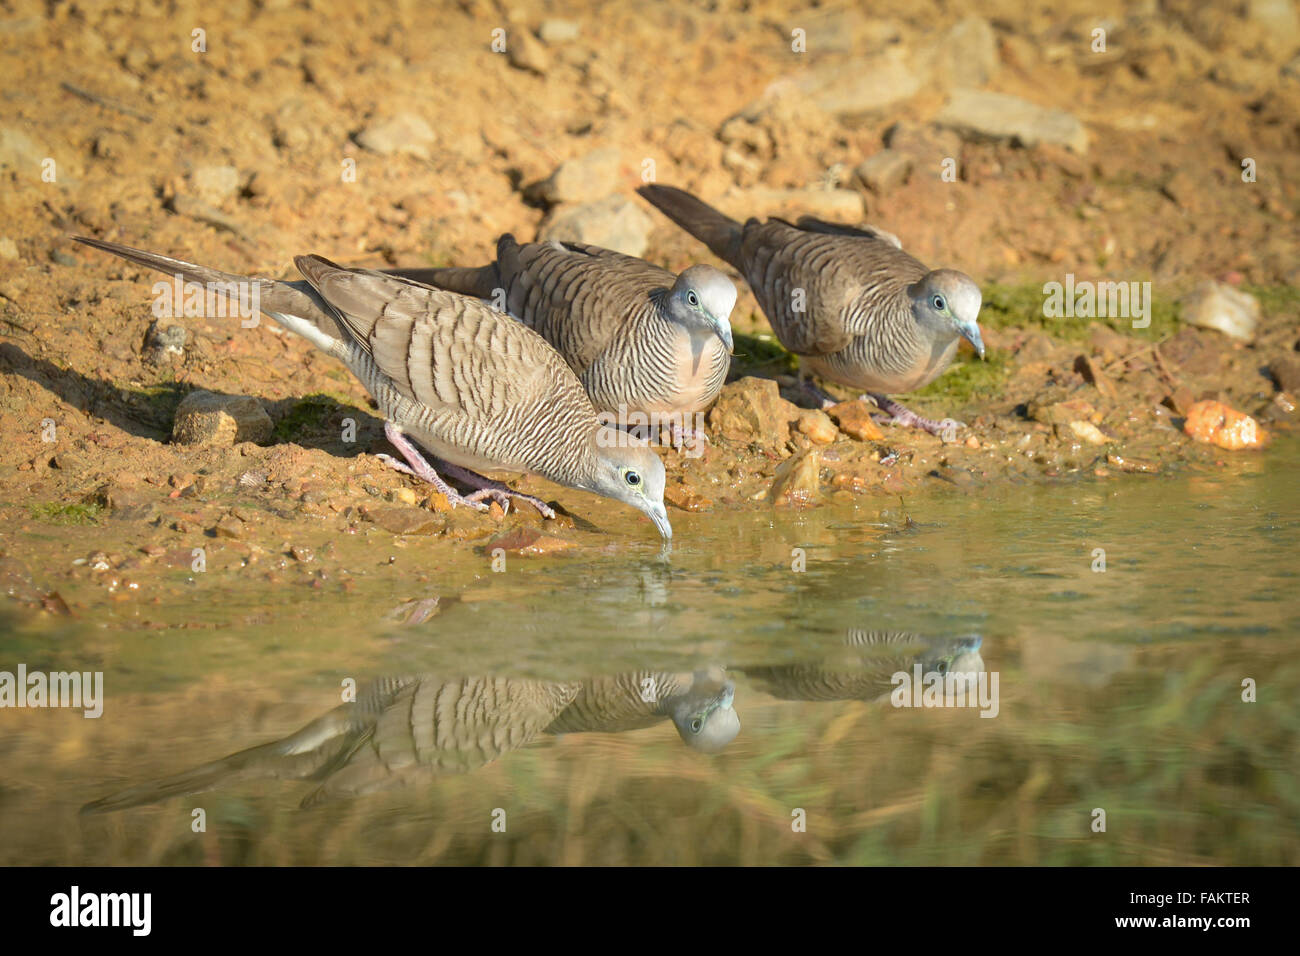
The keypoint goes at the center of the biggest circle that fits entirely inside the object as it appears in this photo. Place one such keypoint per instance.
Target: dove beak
(659, 515)
(722, 328)
(971, 333)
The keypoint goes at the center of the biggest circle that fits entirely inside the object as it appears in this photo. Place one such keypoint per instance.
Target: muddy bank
(1124, 164)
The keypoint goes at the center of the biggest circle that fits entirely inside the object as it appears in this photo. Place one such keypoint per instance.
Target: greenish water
(1119, 690)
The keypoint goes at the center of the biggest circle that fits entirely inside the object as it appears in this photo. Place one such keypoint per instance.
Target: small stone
(1001, 116)
(680, 496)
(1216, 305)
(302, 554)
(1062, 413)
(402, 133)
(406, 520)
(817, 425)
(844, 205)
(752, 410)
(555, 31)
(850, 87)
(164, 345)
(584, 179)
(1218, 424)
(968, 53)
(798, 480)
(525, 53)
(229, 527)
(885, 171)
(1089, 432)
(8, 249)
(213, 184)
(207, 418)
(528, 541)
(1137, 466)
(1285, 373)
(403, 495)
(854, 419)
(614, 222)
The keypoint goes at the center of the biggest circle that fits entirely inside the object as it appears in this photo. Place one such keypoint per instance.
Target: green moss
(1276, 299)
(74, 514)
(1021, 306)
(311, 411)
(760, 354)
(968, 378)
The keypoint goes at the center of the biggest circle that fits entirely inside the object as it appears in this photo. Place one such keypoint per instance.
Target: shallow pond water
(544, 712)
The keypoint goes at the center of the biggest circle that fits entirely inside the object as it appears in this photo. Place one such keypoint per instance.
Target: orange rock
(1217, 424)
(854, 419)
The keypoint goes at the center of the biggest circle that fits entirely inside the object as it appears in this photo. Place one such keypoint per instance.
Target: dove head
(704, 716)
(948, 302)
(628, 470)
(959, 655)
(702, 298)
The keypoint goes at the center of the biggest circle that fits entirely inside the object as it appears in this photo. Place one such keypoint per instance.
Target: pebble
(1216, 305)
(615, 222)
(402, 133)
(208, 418)
(1218, 424)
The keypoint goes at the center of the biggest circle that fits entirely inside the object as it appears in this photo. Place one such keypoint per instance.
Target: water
(1118, 691)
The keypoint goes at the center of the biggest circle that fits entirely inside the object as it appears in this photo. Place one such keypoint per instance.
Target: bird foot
(903, 417)
(454, 497)
(487, 488)
(689, 440)
(823, 399)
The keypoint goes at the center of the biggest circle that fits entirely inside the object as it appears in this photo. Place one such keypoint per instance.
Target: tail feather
(720, 233)
(480, 282)
(295, 305)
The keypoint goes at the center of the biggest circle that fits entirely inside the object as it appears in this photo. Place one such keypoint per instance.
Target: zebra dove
(857, 308)
(640, 339)
(477, 389)
(404, 729)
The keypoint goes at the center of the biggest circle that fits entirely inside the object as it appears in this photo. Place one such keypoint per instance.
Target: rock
(1093, 374)
(885, 171)
(1089, 432)
(1136, 466)
(164, 345)
(854, 419)
(406, 520)
(8, 249)
(1216, 305)
(525, 52)
(1000, 116)
(402, 133)
(927, 145)
(817, 425)
(680, 496)
(403, 495)
(1062, 413)
(852, 86)
(1217, 424)
(614, 222)
(752, 410)
(207, 418)
(301, 554)
(229, 527)
(967, 56)
(585, 179)
(842, 204)
(527, 541)
(797, 480)
(213, 184)
(555, 31)
(1285, 374)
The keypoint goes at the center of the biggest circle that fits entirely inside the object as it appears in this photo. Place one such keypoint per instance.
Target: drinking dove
(475, 388)
(640, 339)
(857, 308)
(401, 730)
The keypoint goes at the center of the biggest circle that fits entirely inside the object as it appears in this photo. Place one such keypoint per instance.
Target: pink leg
(419, 468)
(906, 418)
(487, 488)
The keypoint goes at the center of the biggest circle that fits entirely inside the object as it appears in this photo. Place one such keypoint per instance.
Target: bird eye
(692, 298)
(696, 724)
(938, 303)
(632, 478)
(942, 668)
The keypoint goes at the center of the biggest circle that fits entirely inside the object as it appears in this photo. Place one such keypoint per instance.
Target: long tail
(478, 282)
(315, 749)
(295, 305)
(720, 233)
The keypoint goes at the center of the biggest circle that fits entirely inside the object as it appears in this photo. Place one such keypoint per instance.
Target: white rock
(1215, 305)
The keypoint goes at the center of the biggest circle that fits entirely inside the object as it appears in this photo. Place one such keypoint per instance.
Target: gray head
(957, 655)
(704, 716)
(948, 302)
(628, 470)
(702, 298)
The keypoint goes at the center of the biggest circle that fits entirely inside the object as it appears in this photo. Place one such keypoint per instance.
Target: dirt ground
(114, 125)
